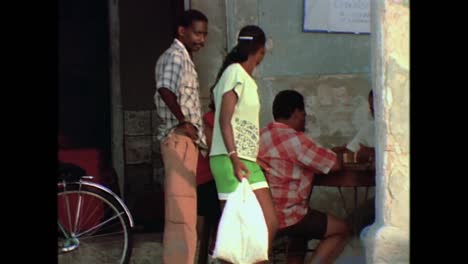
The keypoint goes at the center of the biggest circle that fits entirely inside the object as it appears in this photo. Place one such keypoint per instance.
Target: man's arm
(315, 157)
(170, 99)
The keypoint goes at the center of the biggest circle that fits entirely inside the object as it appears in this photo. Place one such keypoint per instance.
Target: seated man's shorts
(227, 182)
(312, 226)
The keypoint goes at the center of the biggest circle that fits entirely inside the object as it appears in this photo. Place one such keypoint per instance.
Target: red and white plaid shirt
(293, 158)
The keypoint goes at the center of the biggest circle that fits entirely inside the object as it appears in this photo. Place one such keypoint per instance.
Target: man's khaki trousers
(180, 156)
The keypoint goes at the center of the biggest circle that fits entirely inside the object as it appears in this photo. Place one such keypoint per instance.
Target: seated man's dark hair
(286, 102)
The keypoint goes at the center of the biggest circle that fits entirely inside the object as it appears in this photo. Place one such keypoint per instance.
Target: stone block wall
(144, 170)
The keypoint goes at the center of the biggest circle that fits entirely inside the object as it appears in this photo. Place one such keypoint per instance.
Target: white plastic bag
(242, 232)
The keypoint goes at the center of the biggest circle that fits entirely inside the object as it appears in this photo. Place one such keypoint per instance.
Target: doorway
(84, 81)
(140, 32)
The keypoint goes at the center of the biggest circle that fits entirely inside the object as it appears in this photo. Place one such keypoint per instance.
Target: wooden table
(352, 175)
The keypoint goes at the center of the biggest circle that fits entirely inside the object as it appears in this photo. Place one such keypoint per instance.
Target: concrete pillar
(116, 95)
(387, 240)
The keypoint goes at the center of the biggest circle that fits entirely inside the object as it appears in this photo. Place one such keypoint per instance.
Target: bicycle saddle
(70, 172)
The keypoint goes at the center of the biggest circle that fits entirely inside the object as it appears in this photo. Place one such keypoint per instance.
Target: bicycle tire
(78, 204)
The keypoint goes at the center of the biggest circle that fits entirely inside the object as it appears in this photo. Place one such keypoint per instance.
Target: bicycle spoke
(101, 224)
(67, 202)
(78, 209)
(90, 215)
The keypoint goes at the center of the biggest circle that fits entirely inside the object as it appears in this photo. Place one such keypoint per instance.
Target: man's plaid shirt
(292, 157)
(176, 71)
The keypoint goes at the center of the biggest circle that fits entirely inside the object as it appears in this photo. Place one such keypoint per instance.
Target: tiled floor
(147, 249)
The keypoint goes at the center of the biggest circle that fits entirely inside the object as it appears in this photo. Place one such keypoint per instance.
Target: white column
(387, 240)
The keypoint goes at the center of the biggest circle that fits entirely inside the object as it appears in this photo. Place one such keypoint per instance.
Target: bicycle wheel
(93, 226)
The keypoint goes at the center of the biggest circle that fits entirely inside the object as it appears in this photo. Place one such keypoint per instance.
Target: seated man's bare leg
(333, 242)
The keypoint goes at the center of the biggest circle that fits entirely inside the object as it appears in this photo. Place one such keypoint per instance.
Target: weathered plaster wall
(331, 70)
(387, 240)
(209, 59)
(336, 104)
(299, 53)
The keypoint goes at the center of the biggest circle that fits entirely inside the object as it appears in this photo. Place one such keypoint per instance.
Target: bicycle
(94, 225)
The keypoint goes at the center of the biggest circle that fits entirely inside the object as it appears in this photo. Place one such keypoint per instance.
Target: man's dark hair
(286, 102)
(188, 17)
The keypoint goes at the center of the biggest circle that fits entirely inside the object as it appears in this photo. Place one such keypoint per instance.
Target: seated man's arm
(315, 157)
(263, 164)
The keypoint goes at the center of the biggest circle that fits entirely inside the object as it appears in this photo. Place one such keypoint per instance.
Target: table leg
(343, 200)
(355, 217)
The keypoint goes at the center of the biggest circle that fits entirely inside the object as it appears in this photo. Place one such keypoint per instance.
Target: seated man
(293, 158)
(363, 143)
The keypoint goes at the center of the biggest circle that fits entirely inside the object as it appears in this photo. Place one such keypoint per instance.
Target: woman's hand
(240, 170)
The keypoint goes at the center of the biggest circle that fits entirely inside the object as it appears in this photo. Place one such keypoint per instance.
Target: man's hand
(338, 163)
(365, 154)
(339, 151)
(188, 129)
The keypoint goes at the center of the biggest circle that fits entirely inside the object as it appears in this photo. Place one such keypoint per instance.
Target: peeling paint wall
(336, 105)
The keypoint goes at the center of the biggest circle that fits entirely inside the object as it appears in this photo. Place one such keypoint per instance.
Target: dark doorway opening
(84, 77)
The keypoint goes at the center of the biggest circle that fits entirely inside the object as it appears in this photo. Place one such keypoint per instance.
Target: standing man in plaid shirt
(181, 135)
(293, 158)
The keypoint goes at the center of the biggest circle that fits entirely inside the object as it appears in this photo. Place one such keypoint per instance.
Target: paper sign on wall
(344, 16)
